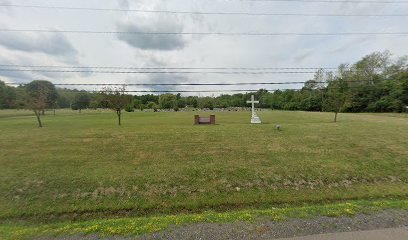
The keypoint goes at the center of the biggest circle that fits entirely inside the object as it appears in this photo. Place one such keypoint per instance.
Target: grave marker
(254, 119)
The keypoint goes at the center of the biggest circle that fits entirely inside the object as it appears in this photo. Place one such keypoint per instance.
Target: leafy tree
(239, 100)
(81, 101)
(116, 99)
(192, 101)
(129, 108)
(137, 103)
(337, 93)
(21, 100)
(148, 98)
(181, 103)
(404, 88)
(8, 96)
(40, 95)
(206, 102)
(94, 104)
(372, 67)
(142, 107)
(65, 97)
(167, 101)
(151, 105)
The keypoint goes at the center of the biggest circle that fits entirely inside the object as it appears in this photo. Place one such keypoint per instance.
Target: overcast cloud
(193, 51)
(53, 44)
(152, 42)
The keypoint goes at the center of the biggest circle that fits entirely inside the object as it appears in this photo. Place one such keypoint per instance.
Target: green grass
(84, 166)
(145, 225)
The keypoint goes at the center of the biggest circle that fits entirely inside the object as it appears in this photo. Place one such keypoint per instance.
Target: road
(383, 234)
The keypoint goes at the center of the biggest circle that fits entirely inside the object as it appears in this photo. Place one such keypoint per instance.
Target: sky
(131, 50)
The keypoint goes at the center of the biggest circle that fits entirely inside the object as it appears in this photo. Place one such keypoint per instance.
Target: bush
(94, 104)
(129, 108)
(74, 106)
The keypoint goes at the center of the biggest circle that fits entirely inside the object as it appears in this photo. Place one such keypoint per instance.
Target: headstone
(254, 119)
(204, 120)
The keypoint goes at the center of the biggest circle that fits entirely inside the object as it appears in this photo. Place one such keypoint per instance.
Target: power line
(330, 1)
(203, 13)
(214, 91)
(154, 72)
(167, 68)
(211, 33)
(193, 84)
(208, 91)
(171, 84)
(197, 91)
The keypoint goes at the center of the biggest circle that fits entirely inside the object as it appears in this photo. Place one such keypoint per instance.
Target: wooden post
(196, 119)
(212, 119)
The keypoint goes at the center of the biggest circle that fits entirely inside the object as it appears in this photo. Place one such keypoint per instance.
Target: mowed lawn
(85, 166)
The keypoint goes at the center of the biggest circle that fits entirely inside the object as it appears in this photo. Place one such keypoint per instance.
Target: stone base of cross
(254, 119)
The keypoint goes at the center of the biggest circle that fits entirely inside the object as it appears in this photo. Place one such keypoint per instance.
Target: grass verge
(144, 225)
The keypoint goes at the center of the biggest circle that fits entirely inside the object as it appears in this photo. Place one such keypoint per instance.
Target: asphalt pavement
(383, 234)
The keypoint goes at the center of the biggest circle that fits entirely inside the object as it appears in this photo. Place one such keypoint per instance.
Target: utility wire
(155, 72)
(213, 91)
(194, 91)
(171, 84)
(213, 33)
(207, 91)
(192, 84)
(330, 1)
(168, 68)
(204, 13)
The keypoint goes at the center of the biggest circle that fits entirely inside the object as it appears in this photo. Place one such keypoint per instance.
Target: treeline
(376, 83)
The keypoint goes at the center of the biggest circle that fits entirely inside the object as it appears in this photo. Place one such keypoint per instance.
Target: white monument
(254, 118)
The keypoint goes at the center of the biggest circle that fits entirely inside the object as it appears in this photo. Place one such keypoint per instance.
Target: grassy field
(84, 166)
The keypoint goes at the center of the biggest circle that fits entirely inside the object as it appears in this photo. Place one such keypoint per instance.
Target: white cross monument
(254, 118)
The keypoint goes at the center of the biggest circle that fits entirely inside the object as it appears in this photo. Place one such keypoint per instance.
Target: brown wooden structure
(204, 120)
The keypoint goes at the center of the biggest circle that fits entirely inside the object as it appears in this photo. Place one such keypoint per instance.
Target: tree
(129, 108)
(7, 96)
(167, 101)
(181, 103)
(148, 98)
(81, 101)
(404, 88)
(372, 67)
(192, 101)
(136, 103)
(116, 100)
(206, 102)
(40, 95)
(65, 97)
(142, 107)
(151, 105)
(94, 104)
(337, 93)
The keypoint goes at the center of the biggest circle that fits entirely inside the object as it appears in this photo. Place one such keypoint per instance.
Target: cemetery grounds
(82, 173)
